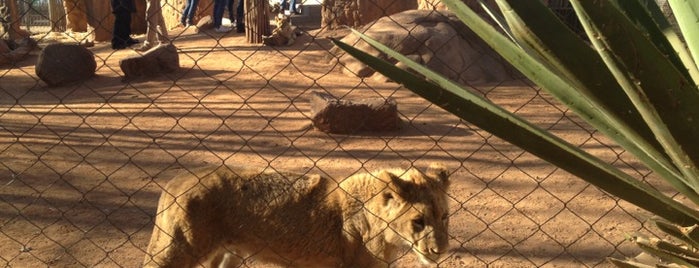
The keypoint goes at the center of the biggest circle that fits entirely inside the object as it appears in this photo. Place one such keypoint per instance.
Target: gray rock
(61, 64)
(158, 60)
(436, 39)
(343, 116)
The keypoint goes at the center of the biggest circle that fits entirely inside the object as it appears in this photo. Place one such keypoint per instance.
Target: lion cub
(223, 216)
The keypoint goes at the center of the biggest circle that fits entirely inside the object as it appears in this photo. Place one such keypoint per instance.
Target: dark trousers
(239, 12)
(122, 28)
(219, 8)
(190, 9)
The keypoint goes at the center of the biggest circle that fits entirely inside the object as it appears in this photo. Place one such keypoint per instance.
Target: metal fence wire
(82, 165)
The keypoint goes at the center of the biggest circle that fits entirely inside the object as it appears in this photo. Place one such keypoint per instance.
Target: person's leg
(193, 11)
(185, 12)
(156, 31)
(292, 6)
(240, 16)
(127, 30)
(116, 27)
(229, 6)
(151, 23)
(219, 6)
(119, 34)
(162, 28)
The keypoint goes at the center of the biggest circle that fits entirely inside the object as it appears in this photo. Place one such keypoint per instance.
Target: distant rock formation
(437, 40)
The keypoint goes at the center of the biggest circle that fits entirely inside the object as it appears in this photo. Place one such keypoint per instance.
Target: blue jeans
(190, 9)
(219, 8)
(292, 5)
(240, 12)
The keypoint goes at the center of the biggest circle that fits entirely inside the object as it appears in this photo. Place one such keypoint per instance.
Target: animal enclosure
(82, 165)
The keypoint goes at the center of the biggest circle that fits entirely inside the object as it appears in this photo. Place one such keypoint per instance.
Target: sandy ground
(82, 166)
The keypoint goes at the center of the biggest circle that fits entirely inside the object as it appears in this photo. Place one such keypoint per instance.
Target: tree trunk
(172, 11)
(15, 32)
(138, 19)
(56, 16)
(256, 20)
(76, 20)
(99, 17)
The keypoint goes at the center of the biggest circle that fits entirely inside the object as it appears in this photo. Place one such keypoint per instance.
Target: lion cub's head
(416, 210)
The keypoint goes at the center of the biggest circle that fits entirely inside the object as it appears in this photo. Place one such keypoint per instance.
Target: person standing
(239, 16)
(121, 34)
(156, 31)
(219, 8)
(291, 6)
(190, 9)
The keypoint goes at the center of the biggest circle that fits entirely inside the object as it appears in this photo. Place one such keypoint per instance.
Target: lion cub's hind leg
(170, 249)
(225, 258)
(233, 257)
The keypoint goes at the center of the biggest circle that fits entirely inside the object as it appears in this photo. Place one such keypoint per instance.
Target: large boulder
(340, 13)
(158, 60)
(61, 64)
(438, 40)
(333, 115)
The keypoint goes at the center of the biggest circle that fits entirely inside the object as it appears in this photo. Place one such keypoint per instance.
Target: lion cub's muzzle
(431, 249)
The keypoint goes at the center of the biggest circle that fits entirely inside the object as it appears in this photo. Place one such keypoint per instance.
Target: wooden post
(256, 20)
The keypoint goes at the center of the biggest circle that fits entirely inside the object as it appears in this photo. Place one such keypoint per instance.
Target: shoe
(144, 47)
(132, 41)
(223, 29)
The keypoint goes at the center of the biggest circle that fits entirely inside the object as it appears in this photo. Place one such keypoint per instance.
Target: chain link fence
(82, 166)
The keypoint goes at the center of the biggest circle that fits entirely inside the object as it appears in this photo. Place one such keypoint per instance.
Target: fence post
(256, 20)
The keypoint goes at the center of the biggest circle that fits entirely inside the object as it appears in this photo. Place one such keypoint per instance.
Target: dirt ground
(82, 166)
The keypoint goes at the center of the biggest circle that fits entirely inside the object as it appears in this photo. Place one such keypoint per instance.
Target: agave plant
(633, 78)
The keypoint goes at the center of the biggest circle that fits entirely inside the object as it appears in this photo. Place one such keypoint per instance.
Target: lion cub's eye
(418, 224)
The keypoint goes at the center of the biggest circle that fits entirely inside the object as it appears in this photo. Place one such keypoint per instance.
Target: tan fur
(221, 216)
(285, 33)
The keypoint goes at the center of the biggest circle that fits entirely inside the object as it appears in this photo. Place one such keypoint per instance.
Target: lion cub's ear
(314, 180)
(439, 172)
(395, 188)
